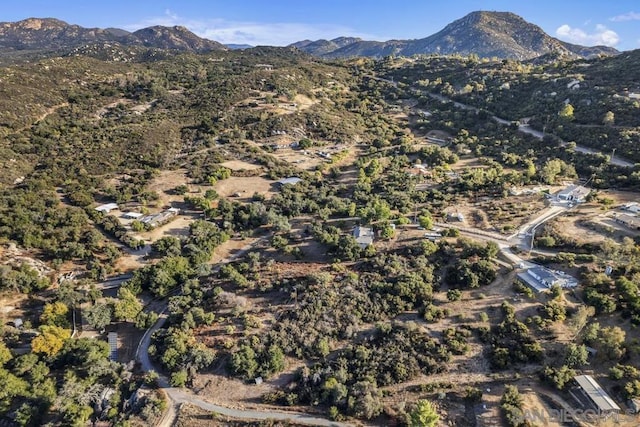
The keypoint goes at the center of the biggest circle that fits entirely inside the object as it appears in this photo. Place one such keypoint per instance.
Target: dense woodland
(363, 320)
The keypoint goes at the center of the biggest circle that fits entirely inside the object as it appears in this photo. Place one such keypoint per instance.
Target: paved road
(523, 238)
(616, 160)
(526, 234)
(178, 396)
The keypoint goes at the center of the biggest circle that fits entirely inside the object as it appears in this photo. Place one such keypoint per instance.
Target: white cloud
(601, 36)
(630, 16)
(252, 33)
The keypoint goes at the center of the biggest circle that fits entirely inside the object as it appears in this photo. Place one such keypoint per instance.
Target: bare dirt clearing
(301, 158)
(136, 109)
(131, 261)
(304, 101)
(469, 162)
(594, 223)
(166, 181)
(226, 250)
(245, 187)
(271, 102)
(178, 227)
(238, 165)
(501, 215)
(533, 403)
(14, 256)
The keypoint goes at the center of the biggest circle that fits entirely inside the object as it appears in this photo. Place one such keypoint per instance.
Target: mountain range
(50, 34)
(486, 34)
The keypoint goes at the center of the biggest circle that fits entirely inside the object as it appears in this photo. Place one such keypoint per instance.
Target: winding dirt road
(177, 396)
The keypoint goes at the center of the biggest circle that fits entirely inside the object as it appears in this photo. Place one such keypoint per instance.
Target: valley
(203, 236)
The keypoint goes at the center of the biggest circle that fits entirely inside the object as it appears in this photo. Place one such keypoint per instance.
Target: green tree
(5, 354)
(609, 118)
(99, 316)
(274, 360)
(179, 379)
(454, 294)
(559, 377)
(244, 363)
(211, 194)
(387, 231)
(68, 292)
(511, 405)
(365, 400)
(137, 226)
(167, 246)
(12, 386)
(550, 171)
(127, 306)
(576, 355)
(334, 392)
(611, 342)
(426, 221)
(555, 310)
(424, 415)
(181, 189)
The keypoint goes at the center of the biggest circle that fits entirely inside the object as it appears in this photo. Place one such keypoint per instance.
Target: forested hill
(601, 94)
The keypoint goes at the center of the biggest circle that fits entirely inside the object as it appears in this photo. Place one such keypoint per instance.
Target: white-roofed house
(107, 207)
(289, 181)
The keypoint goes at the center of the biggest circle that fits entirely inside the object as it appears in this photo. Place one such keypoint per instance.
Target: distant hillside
(234, 46)
(323, 47)
(486, 34)
(50, 34)
(176, 37)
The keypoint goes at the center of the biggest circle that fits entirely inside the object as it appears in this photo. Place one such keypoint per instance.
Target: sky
(281, 22)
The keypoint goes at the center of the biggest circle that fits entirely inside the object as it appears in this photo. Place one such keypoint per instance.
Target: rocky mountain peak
(484, 33)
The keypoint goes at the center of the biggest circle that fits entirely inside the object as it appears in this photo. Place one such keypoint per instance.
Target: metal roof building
(112, 338)
(132, 215)
(597, 397)
(291, 180)
(107, 207)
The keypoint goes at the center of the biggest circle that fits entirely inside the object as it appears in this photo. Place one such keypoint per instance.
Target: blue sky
(280, 22)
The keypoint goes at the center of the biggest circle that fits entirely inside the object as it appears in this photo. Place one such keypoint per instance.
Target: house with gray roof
(542, 279)
(363, 235)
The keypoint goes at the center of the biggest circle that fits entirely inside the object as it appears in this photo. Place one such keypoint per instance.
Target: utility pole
(544, 128)
(613, 153)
